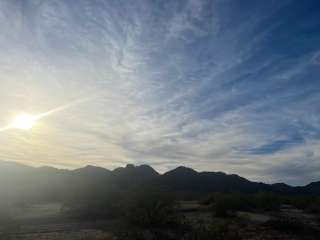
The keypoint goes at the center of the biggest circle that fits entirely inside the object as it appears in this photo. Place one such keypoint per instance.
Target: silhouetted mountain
(142, 171)
(12, 169)
(131, 176)
(181, 172)
(47, 183)
(89, 169)
(311, 188)
(186, 179)
(282, 188)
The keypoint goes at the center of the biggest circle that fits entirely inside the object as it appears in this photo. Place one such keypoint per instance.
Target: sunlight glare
(24, 121)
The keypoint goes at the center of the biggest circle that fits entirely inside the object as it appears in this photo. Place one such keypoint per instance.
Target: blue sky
(214, 85)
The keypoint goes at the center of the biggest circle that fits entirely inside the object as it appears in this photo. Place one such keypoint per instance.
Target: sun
(24, 121)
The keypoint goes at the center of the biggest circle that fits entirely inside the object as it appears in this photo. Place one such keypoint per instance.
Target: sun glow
(24, 121)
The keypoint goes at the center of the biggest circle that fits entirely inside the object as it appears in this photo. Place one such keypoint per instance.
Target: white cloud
(157, 100)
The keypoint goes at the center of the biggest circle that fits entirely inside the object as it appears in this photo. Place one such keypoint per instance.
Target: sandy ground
(41, 222)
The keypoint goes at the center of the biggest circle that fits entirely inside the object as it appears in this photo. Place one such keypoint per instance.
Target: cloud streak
(208, 84)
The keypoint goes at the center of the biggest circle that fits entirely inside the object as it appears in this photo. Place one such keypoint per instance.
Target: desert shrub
(208, 200)
(301, 202)
(314, 207)
(266, 201)
(285, 224)
(152, 216)
(291, 225)
(96, 206)
(151, 210)
(309, 204)
(217, 230)
(224, 204)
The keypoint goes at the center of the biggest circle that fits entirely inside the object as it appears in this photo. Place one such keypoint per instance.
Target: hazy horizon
(154, 168)
(228, 86)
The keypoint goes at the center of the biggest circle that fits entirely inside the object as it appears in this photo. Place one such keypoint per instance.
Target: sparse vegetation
(225, 204)
(151, 210)
(292, 225)
(94, 210)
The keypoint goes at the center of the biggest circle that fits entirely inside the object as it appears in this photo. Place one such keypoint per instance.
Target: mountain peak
(89, 169)
(181, 170)
(141, 170)
(182, 179)
(130, 166)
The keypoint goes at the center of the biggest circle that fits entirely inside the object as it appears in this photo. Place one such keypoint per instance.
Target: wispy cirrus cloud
(212, 85)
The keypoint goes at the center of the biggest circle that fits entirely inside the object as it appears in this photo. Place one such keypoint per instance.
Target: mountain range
(46, 183)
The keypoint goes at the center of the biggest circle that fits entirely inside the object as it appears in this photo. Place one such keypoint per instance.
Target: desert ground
(49, 222)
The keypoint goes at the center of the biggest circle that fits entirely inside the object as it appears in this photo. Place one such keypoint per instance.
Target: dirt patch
(254, 217)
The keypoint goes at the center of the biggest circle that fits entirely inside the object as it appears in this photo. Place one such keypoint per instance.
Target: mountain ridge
(56, 182)
(179, 169)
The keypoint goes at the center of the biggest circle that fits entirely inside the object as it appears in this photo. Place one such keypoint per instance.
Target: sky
(216, 85)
